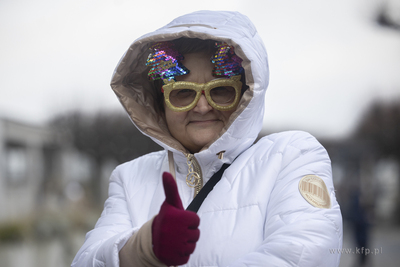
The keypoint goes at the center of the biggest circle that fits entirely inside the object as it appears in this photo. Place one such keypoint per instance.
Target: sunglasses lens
(224, 95)
(182, 97)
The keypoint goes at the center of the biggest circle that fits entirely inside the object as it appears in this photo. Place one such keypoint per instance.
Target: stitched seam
(228, 209)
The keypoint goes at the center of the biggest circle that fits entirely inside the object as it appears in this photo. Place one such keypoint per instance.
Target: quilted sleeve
(111, 232)
(300, 230)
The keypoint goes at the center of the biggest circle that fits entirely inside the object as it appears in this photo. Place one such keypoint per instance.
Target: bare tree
(104, 136)
(381, 126)
(385, 18)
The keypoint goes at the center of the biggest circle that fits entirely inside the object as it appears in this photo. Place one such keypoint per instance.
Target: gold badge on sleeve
(314, 190)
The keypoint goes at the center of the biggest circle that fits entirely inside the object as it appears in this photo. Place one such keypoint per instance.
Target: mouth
(200, 122)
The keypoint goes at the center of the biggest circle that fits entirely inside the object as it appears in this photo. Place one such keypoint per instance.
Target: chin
(204, 140)
(200, 137)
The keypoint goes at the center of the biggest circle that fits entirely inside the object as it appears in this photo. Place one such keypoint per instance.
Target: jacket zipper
(194, 178)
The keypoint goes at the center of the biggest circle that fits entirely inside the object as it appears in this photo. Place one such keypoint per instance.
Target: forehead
(200, 67)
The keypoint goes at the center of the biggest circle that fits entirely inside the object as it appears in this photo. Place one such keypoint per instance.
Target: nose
(202, 105)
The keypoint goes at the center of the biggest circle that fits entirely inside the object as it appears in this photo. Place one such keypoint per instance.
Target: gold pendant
(193, 179)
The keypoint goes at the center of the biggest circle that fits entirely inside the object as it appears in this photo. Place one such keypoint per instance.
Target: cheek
(175, 120)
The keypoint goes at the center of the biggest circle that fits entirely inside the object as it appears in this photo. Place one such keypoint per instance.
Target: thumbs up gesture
(174, 230)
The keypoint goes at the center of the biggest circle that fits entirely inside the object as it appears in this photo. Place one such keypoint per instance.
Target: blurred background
(335, 72)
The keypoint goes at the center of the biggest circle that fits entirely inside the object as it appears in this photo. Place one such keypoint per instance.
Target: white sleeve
(297, 233)
(111, 232)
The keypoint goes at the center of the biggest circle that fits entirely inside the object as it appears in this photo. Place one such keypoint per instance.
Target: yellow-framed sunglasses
(222, 94)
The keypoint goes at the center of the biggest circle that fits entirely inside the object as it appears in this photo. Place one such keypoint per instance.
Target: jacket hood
(136, 92)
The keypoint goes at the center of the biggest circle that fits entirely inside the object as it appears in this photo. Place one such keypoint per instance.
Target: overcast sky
(328, 60)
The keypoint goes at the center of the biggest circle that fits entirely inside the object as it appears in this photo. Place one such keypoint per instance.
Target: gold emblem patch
(314, 190)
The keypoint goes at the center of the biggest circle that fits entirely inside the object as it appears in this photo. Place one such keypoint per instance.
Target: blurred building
(23, 151)
(42, 178)
(39, 170)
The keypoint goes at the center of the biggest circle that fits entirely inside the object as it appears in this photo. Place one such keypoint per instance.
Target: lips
(204, 121)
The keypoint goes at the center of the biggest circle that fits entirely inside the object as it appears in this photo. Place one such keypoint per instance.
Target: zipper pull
(221, 154)
(193, 179)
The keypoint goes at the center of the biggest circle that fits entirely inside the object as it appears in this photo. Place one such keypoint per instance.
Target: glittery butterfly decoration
(165, 62)
(227, 63)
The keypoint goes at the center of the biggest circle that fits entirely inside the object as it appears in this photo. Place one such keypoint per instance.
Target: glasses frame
(233, 81)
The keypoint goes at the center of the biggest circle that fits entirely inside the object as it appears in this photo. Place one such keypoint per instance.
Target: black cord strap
(198, 200)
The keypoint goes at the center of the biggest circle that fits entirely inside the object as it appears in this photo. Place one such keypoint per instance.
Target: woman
(196, 87)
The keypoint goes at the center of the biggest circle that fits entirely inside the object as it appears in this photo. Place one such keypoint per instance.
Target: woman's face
(197, 127)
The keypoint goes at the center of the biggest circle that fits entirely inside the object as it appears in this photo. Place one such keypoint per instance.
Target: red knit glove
(174, 230)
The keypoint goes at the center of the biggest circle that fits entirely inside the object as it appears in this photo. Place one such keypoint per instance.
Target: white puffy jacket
(261, 212)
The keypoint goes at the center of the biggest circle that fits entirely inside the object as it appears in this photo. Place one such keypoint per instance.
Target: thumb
(171, 191)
